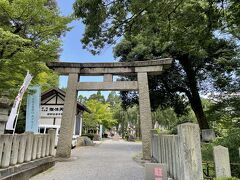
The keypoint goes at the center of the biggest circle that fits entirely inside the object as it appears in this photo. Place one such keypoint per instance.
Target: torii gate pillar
(145, 114)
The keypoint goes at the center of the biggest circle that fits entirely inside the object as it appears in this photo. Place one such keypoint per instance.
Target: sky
(72, 50)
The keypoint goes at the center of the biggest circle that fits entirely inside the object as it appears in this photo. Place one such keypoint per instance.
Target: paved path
(111, 160)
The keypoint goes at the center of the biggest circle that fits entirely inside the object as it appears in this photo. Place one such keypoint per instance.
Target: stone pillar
(44, 145)
(208, 135)
(190, 152)
(15, 149)
(4, 107)
(22, 146)
(35, 145)
(153, 131)
(29, 146)
(145, 114)
(68, 118)
(7, 148)
(52, 133)
(222, 162)
(48, 145)
(108, 78)
(39, 146)
(81, 125)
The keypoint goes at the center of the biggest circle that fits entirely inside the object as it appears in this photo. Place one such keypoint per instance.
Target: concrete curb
(27, 170)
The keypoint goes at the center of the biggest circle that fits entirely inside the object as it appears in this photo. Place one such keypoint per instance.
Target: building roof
(54, 91)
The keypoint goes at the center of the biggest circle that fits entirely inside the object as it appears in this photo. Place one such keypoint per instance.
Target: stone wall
(20, 148)
(181, 152)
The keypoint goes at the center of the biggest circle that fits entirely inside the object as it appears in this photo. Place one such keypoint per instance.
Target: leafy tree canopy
(29, 37)
(99, 97)
(100, 114)
(189, 31)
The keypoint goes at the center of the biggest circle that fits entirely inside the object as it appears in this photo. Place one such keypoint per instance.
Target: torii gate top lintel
(118, 68)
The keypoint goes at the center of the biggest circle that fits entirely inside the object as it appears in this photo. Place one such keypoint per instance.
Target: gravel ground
(111, 160)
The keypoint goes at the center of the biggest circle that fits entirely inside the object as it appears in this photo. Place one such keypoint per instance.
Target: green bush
(231, 178)
(207, 151)
(231, 140)
(90, 135)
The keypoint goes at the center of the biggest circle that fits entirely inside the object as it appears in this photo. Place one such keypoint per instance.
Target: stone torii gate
(107, 70)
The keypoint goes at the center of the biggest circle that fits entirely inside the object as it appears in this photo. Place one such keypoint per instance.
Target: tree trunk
(197, 108)
(193, 96)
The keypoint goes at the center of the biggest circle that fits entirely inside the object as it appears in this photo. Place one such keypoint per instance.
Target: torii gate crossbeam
(75, 70)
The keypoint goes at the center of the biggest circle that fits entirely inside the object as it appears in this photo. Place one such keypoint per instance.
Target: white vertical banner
(14, 112)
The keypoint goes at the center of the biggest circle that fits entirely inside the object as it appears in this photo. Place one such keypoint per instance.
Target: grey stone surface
(26, 170)
(222, 162)
(145, 114)
(52, 133)
(208, 135)
(44, 146)
(7, 139)
(108, 78)
(111, 86)
(4, 107)
(190, 151)
(48, 145)
(29, 146)
(67, 122)
(39, 146)
(84, 141)
(35, 145)
(22, 146)
(111, 160)
(110, 68)
(154, 144)
(15, 149)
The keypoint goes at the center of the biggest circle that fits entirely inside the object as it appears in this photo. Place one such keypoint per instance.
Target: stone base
(208, 135)
(27, 170)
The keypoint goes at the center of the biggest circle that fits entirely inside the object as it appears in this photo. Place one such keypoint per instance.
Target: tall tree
(113, 99)
(98, 96)
(182, 29)
(29, 37)
(100, 114)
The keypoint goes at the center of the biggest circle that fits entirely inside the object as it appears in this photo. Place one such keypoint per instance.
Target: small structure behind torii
(107, 70)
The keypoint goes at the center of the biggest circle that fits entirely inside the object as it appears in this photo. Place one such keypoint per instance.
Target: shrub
(231, 178)
(90, 135)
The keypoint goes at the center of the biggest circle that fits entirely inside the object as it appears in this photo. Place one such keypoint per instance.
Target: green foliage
(231, 140)
(183, 30)
(231, 178)
(98, 97)
(168, 119)
(29, 37)
(100, 114)
(224, 114)
(113, 99)
(82, 99)
(207, 151)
